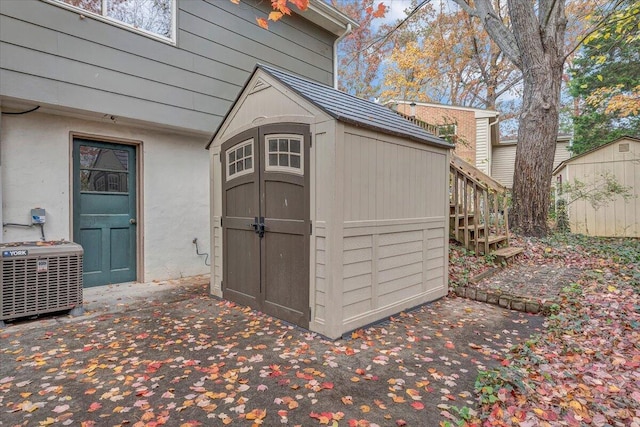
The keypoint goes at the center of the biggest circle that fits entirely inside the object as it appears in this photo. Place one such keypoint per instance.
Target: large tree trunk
(537, 135)
(535, 44)
(540, 41)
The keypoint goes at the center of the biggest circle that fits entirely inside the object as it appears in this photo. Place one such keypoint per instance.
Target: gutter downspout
(335, 55)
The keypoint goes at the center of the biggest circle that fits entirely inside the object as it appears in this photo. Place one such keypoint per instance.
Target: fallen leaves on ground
(585, 368)
(200, 361)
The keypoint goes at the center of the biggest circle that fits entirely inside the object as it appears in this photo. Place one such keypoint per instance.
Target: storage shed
(619, 159)
(328, 211)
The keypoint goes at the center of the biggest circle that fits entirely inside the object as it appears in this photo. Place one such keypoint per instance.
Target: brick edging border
(504, 300)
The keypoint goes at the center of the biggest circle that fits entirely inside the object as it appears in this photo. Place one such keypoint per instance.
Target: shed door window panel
(153, 16)
(103, 170)
(284, 154)
(240, 160)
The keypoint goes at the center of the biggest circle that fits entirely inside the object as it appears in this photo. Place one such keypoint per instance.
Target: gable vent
(623, 148)
(259, 85)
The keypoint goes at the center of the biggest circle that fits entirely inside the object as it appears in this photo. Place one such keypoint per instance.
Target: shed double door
(266, 224)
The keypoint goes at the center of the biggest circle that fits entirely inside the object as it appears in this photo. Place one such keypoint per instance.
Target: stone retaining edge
(508, 301)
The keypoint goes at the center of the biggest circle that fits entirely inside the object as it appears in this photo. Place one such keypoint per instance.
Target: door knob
(132, 221)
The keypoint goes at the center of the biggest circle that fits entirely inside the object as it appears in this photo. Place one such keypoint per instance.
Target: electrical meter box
(38, 216)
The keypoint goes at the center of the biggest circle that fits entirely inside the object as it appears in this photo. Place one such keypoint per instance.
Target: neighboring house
(476, 135)
(619, 159)
(106, 114)
(504, 157)
(474, 131)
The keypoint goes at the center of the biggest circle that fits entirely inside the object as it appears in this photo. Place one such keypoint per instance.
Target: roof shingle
(353, 110)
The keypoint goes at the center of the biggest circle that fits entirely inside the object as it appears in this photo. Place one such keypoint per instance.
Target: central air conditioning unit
(40, 277)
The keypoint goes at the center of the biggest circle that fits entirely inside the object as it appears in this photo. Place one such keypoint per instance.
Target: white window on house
(153, 17)
(284, 153)
(240, 159)
(448, 132)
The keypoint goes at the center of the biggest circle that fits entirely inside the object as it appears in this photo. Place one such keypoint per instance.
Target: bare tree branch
(495, 27)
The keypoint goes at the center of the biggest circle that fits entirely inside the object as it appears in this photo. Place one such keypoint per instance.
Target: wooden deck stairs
(478, 216)
(478, 211)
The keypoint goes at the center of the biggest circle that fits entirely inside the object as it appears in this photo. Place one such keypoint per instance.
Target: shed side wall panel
(385, 180)
(394, 250)
(49, 55)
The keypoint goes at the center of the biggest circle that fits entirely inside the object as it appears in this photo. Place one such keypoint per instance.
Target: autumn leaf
(275, 16)
(301, 4)
(256, 414)
(262, 23)
(380, 11)
(417, 405)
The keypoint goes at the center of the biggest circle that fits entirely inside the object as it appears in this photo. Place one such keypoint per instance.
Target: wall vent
(623, 148)
(40, 277)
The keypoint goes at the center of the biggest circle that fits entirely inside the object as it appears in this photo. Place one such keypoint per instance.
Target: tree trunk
(539, 35)
(537, 136)
(535, 44)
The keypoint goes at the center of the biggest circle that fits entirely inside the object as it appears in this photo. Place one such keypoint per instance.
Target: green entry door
(104, 210)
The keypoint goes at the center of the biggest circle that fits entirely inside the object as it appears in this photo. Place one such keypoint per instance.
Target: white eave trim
(327, 17)
(480, 113)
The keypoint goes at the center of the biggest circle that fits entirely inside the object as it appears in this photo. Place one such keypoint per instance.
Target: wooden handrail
(474, 173)
(416, 121)
(479, 207)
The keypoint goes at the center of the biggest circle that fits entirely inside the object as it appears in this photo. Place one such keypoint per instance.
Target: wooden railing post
(476, 198)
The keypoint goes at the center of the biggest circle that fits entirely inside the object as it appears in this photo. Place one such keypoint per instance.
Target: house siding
(48, 54)
(35, 172)
(504, 160)
(483, 146)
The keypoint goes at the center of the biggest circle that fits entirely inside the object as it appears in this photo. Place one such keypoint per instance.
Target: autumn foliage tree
(606, 82)
(533, 39)
(444, 55)
(359, 63)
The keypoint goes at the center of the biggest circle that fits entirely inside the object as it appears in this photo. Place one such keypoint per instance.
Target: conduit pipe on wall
(335, 55)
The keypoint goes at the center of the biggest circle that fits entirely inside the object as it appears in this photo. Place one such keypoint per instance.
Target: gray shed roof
(350, 109)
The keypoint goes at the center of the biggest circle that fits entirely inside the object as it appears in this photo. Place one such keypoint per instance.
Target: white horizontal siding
(504, 160)
(483, 145)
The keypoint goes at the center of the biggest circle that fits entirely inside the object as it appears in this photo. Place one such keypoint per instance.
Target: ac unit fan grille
(27, 291)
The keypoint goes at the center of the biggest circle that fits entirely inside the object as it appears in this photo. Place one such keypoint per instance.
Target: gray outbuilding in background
(328, 211)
